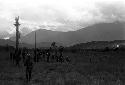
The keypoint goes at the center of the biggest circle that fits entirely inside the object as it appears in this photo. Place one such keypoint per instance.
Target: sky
(59, 15)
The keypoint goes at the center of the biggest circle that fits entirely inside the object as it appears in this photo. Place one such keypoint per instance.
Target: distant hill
(4, 42)
(87, 45)
(97, 32)
(47, 44)
(98, 44)
(44, 37)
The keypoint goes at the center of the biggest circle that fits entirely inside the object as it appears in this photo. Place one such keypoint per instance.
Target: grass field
(105, 68)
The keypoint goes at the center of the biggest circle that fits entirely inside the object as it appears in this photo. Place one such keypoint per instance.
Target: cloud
(63, 15)
(112, 11)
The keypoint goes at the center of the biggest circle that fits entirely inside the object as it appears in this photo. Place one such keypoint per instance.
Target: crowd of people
(30, 57)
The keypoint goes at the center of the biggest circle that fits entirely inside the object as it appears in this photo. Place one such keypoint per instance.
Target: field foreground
(87, 68)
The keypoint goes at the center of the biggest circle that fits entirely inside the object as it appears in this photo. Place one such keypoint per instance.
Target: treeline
(106, 49)
(66, 49)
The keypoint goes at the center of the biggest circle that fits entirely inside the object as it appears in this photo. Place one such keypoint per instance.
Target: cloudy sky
(62, 15)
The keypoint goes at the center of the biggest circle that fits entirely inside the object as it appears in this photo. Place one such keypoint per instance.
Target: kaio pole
(17, 24)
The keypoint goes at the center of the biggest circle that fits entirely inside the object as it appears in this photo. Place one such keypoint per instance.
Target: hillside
(97, 32)
(98, 44)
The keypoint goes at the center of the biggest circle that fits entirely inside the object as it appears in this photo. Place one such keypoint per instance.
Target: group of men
(50, 55)
(23, 55)
(29, 58)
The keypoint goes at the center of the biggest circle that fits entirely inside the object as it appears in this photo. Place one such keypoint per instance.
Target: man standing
(29, 67)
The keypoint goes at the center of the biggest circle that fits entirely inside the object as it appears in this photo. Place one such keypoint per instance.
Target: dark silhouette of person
(29, 67)
(61, 59)
(11, 56)
(42, 55)
(68, 59)
(24, 55)
(14, 57)
(54, 50)
(61, 48)
(36, 55)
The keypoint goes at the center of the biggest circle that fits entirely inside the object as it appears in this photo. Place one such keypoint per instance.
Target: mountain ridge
(97, 32)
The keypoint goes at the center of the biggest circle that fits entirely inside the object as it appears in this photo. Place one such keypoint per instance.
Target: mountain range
(97, 32)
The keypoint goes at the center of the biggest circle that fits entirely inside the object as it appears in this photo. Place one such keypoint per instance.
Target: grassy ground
(106, 68)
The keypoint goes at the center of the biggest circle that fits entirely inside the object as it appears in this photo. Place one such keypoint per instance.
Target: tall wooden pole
(35, 40)
(35, 48)
(17, 32)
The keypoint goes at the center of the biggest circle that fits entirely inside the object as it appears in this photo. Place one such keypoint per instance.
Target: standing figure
(61, 59)
(11, 56)
(54, 51)
(61, 48)
(23, 56)
(43, 55)
(68, 59)
(35, 55)
(29, 66)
